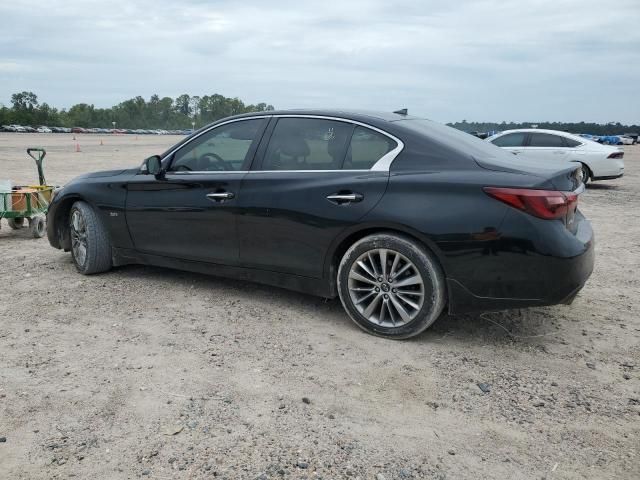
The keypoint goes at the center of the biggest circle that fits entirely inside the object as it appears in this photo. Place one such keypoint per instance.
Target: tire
(359, 286)
(586, 174)
(90, 245)
(16, 223)
(38, 226)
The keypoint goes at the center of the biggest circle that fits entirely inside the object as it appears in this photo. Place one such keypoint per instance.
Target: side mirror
(154, 165)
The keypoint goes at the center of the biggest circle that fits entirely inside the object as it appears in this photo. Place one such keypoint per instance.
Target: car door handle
(217, 196)
(341, 198)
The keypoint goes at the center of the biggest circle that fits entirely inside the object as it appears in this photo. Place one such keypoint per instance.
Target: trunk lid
(565, 177)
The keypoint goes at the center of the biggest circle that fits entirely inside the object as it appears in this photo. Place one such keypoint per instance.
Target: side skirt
(312, 286)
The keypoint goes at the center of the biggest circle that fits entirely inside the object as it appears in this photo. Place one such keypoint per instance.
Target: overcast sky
(474, 60)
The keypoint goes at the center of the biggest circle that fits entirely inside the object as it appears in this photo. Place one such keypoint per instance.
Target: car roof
(573, 136)
(337, 112)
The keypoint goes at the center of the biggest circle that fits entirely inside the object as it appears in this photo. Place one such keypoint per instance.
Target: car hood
(104, 173)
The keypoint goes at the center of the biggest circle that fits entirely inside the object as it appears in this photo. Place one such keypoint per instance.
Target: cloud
(477, 60)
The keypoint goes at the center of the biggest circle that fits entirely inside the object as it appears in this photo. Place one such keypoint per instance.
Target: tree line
(181, 112)
(156, 113)
(573, 127)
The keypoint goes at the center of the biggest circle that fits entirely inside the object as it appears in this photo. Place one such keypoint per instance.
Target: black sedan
(400, 217)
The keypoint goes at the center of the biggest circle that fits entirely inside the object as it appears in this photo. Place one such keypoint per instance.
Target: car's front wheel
(90, 245)
(391, 286)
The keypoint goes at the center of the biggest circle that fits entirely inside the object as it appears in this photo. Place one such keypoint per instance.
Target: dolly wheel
(16, 223)
(37, 226)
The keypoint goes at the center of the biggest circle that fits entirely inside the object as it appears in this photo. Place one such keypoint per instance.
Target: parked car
(634, 137)
(481, 135)
(625, 140)
(43, 129)
(78, 130)
(8, 128)
(599, 162)
(588, 136)
(29, 129)
(400, 217)
(610, 140)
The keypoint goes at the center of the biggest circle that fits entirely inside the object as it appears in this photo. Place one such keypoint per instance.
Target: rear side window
(515, 139)
(545, 140)
(366, 148)
(307, 144)
(570, 142)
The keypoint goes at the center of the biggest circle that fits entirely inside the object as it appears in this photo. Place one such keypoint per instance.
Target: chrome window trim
(202, 172)
(313, 171)
(383, 164)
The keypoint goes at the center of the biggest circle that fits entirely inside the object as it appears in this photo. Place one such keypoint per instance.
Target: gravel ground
(151, 373)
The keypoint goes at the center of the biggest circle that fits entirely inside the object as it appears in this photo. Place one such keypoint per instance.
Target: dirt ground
(151, 373)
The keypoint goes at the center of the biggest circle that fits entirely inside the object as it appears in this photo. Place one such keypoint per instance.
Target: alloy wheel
(386, 287)
(79, 237)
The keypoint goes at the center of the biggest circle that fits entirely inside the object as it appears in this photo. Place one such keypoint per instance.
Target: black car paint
(281, 230)
(172, 217)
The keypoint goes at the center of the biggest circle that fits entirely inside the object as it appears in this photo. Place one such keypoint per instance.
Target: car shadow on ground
(508, 327)
(601, 186)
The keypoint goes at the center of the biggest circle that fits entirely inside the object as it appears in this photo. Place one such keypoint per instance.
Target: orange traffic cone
(77, 147)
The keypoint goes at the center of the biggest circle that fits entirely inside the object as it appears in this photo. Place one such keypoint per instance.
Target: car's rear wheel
(90, 246)
(586, 174)
(391, 286)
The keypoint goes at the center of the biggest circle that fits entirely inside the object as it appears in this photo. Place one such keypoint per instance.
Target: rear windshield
(486, 154)
(455, 138)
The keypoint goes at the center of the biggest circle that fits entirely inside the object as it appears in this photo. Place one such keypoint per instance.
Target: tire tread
(99, 246)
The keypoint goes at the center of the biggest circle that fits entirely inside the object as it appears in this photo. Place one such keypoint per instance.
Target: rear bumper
(606, 168)
(529, 278)
(609, 177)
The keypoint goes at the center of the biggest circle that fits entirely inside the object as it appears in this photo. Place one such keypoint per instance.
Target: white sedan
(43, 130)
(599, 162)
(625, 139)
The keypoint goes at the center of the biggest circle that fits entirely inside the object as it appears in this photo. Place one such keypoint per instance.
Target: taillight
(616, 155)
(547, 204)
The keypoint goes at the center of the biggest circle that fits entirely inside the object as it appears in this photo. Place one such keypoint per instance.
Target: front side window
(510, 140)
(307, 144)
(366, 148)
(545, 140)
(224, 148)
